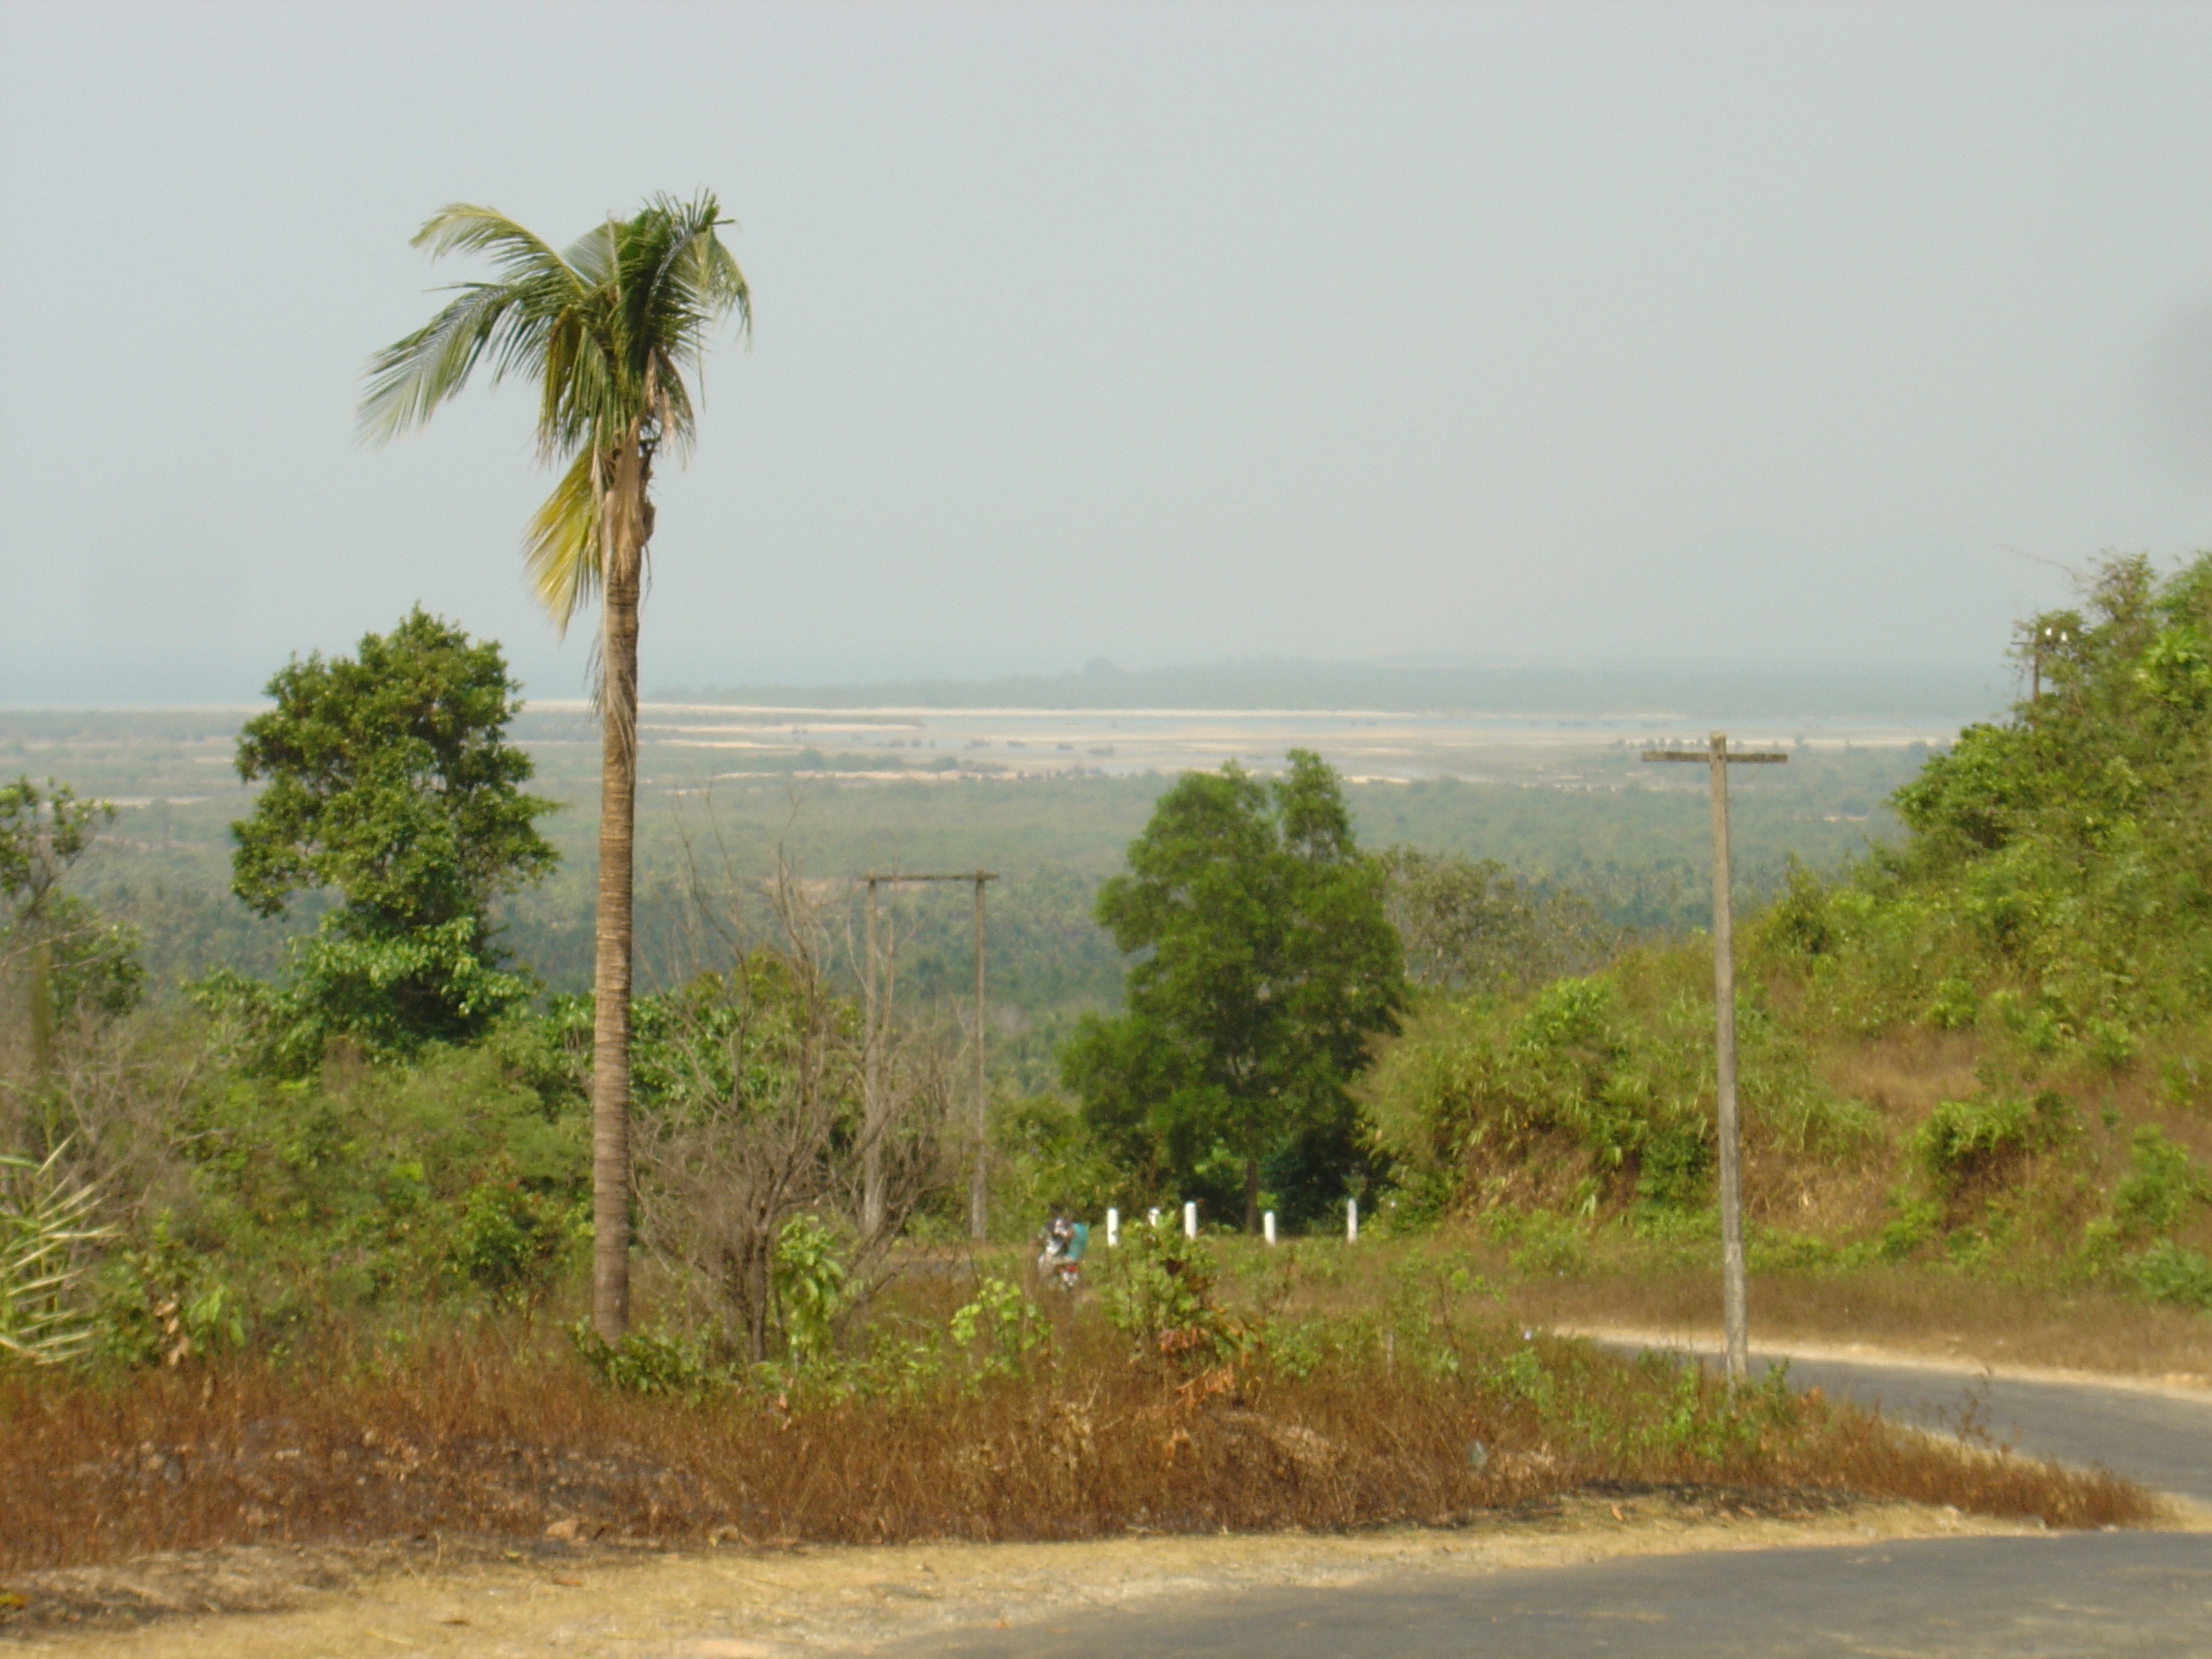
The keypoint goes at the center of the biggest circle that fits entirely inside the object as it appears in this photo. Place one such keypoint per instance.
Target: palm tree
(607, 329)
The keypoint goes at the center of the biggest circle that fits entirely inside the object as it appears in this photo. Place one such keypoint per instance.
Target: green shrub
(1965, 1142)
(1541, 1243)
(2167, 1272)
(998, 1327)
(1159, 1289)
(2161, 1183)
(1952, 1005)
(164, 1303)
(655, 1362)
(372, 1182)
(808, 1274)
(514, 1242)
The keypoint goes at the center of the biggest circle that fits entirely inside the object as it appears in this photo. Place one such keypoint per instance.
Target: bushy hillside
(1989, 1044)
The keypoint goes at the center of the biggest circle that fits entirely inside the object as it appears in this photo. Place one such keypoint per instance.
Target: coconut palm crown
(607, 328)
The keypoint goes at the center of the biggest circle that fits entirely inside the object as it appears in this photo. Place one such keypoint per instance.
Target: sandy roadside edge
(1706, 1341)
(732, 1604)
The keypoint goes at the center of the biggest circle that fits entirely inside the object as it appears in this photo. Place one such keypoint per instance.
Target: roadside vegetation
(1981, 1054)
(305, 1251)
(961, 1406)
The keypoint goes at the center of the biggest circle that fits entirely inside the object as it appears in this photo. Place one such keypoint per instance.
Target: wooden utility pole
(873, 1207)
(1719, 758)
(979, 1182)
(2046, 638)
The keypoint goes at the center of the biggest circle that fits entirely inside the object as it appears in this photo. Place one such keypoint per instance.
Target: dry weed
(513, 1438)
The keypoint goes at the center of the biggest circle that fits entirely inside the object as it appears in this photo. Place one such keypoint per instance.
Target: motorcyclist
(1064, 1240)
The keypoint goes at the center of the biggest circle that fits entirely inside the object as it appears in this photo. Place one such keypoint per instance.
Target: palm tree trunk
(612, 966)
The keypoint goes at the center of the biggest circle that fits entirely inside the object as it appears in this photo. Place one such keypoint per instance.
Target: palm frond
(561, 549)
(606, 328)
(503, 321)
(44, 1221)
(596, 256)
(464, 227)
(409, 378)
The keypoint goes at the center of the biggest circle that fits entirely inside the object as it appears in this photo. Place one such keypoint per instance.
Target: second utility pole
(873, 1207)
(1719, 758)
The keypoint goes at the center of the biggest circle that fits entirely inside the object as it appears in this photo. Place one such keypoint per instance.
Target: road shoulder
(1706, 1342)
(738, 1603)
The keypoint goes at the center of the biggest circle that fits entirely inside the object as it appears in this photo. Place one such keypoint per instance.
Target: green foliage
(389, 995)
(2056, 888)
(43, 832)
(1541, 1241)
(721, 1041)
(607, 328)
(370, 1184)
(388, 780)
(1595, 1092)
(512, 1241)
(990, 1336)
(1964, 1141)
(1157, 1290)
(809, 1276)
(997, 1329)
(162, 1302)
(1046, 1152)
(1471, 926)
(1265, 963)
(2163, 1184)
(387, 777)
(2167, 1272)
(651, 1362)
(59, 957)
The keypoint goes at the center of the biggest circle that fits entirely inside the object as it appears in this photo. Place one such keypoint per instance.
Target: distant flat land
(1047, 797)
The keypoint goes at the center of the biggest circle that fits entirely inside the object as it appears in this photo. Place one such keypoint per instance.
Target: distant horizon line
(1294, 685)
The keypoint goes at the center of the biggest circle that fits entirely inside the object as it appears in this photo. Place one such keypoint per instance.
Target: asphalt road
(2119, 1593)
(2163, 1442)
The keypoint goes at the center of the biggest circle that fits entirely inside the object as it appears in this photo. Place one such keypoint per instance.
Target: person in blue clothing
(1065, 1240)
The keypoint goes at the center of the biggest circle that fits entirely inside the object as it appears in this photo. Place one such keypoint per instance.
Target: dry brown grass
(509, 1438)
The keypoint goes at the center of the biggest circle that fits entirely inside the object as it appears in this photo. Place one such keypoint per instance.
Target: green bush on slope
(1594, 1094)
(2054, 885)
(2049, 916)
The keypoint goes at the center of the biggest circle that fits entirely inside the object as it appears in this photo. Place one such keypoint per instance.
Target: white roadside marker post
(1190, 1220)
(1267, 1226)
(1155, 1218)
(1719, 758)
(1352, 1221)
(1113, 1228)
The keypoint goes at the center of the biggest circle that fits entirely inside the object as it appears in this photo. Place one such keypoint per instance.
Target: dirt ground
(437, 1597)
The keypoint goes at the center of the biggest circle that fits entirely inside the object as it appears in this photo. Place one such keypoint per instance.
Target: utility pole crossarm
(894, 877)
(1734, 756)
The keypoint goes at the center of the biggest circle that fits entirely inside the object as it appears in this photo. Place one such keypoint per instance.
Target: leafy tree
(1471, 925)
(2055, 889)
(607, 329)
(61, 958)
(388, 780)
(1267, 964)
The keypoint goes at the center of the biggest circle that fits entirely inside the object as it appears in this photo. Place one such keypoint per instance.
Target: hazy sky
(1165, 333)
